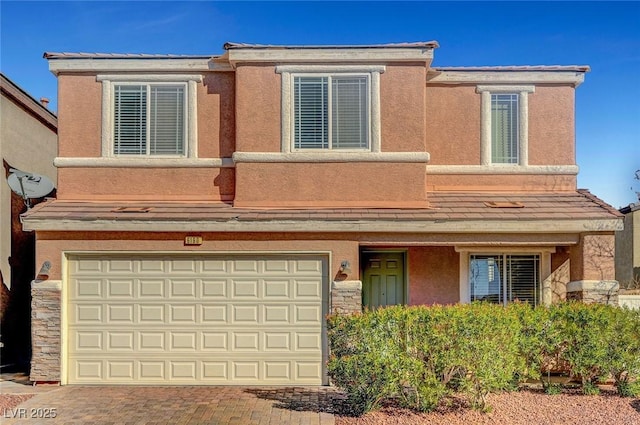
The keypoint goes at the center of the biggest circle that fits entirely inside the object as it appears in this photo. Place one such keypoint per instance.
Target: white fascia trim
(329, 69)
(508, 77)
(523, 120)
(191, 81)
(504, 169)
(150, 78)
(144, 162)
(367, 226)
(143, 65)
(330, 55)
(484, 249)
(332, 156)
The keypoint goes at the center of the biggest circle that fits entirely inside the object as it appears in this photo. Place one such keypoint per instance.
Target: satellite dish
(29, 185)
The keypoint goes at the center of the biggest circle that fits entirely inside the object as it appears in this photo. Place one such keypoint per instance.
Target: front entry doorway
(383, 278)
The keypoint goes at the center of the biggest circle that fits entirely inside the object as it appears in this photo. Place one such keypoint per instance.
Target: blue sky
(603, 35)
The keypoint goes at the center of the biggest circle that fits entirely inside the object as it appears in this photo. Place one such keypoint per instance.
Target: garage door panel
(120, 313)
(214, 314)
(244, 288)
(152, 288)
(196, 320)
(182, 313)
(151, 341)
(182, 288)
(120, 288)
(214, 288)
(151, 313)
(87, 288)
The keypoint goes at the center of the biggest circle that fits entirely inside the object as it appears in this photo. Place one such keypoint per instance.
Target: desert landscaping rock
(525, 407)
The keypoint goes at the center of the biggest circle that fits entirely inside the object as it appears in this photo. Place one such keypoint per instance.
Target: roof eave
(350, 226)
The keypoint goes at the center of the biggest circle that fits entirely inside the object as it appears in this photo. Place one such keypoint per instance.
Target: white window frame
(467, 251)
(289, 72)
(523, 122)
(191, 123)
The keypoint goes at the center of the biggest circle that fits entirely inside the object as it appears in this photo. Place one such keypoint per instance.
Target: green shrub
(417, 356)
(587, 329)
(623, 351)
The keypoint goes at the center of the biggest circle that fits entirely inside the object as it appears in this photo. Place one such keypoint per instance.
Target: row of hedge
(419, 355)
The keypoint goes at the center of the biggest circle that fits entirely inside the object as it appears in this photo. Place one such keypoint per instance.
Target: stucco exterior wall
(403, 108)
(52, 245)
(79, 116)
(258, 105)
(434, 276)
(311, 185)
(143, 184)
(501, 182)
(552, 126)
(453, 125)
(80, 133)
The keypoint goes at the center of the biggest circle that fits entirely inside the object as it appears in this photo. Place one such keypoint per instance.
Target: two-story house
(212, 210)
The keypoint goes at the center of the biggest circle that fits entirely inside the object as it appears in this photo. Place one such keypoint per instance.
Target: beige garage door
(196, 319)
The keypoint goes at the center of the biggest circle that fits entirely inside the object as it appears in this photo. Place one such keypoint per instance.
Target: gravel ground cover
(524, 407)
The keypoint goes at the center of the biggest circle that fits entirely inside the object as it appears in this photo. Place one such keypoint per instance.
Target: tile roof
(445, 206)
(576, 68)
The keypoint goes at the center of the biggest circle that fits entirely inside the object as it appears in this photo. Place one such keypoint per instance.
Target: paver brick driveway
(181, 405)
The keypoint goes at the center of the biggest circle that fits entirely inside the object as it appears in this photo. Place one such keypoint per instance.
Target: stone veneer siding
(346, 297)
(45, 331)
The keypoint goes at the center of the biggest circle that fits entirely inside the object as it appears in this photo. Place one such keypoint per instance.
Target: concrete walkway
(171, 405)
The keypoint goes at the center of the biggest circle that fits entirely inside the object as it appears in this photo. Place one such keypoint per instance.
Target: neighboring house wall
(28, 142)
(628, 248)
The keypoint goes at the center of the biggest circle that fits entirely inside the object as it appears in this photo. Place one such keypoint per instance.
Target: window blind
(504, 128)
(149, 120)
(130, 120)
(505, 278)
(311, 120)
(349, 113)
(167, 120)
(331, 112)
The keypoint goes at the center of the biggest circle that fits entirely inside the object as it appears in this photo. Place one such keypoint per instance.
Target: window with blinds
(504, 128)
(331, 112)
(149, 119)
(505, 278)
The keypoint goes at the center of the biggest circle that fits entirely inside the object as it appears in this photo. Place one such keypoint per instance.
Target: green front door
(383, 279)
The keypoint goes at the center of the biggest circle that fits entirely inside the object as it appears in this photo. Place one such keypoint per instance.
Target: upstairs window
(505, 125)
(504, 134)
(149, 116)
(505, 278)
(149, 119)
(331, 112)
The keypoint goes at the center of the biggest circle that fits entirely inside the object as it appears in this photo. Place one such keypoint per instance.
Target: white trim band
(503, 169)
(573, 78)
(142, 162)
(332, 156)
(149, 78)
(138, 64)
